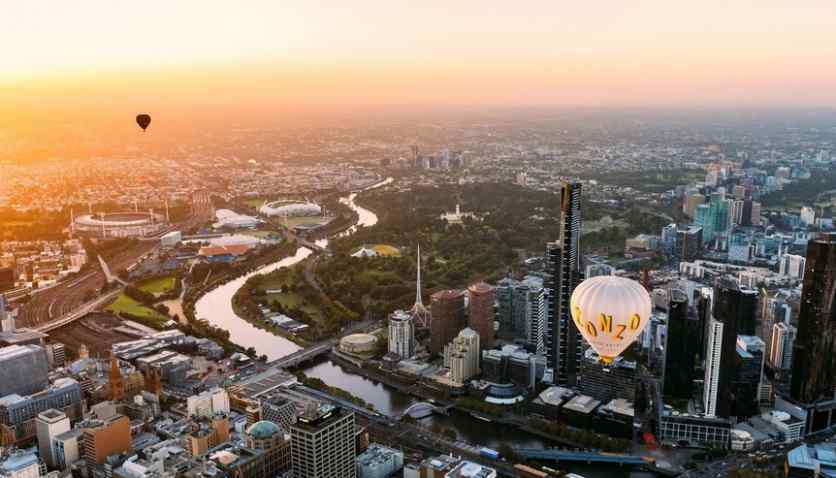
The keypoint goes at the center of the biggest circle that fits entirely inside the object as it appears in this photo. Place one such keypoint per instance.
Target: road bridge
(552, 454)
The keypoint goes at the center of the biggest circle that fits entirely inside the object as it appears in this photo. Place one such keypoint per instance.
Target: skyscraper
(747, 378)
(447, 312)
(481, 300)
(731, 308)
(713, 356)
(681, 350)
(563, 342)
(814, 356)
(737, 304)
(402, 334)
(322, 443)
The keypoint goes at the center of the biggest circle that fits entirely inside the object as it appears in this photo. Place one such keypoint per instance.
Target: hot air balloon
(143, 121)
(610, 312)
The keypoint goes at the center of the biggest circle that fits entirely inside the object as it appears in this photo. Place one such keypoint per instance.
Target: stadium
(290, 209)
(119, 224)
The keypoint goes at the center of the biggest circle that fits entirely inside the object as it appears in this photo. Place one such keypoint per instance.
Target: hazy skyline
(164, 54)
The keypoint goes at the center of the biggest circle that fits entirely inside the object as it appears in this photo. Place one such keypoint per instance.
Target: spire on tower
(419, 312)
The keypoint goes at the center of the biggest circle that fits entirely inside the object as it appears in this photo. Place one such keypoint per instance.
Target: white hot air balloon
(610, 312)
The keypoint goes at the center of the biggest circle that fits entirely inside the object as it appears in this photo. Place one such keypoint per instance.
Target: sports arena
(119, 224)
(290, 209)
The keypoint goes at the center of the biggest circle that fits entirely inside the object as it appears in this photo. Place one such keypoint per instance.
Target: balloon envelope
(610, 312)
(143, 121)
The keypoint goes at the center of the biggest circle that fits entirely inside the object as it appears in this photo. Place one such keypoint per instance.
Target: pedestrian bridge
(582, 457)
(421, 410)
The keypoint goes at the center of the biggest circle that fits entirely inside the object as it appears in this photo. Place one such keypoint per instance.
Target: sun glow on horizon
(466, 52)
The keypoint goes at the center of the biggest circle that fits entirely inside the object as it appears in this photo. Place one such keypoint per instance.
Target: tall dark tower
(682, 350)
(563, 343)
(733, 302)
(814, 354)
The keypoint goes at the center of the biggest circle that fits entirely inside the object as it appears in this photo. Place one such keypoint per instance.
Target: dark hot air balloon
(143, 121)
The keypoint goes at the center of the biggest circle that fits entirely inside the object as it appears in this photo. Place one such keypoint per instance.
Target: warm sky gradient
(423, 52)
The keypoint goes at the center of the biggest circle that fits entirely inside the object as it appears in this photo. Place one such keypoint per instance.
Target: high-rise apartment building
(563, 342)
(402, 334)
(713, 358)
(447, 309)
(322, 443)
(480, 317)
(780, 350)
(814, 356)
(462, 356)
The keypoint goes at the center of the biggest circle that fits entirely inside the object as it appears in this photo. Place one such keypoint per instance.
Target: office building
(607, 382)
(103, 438)
(18, 413)
(66, 447)
(206, 433)
(481, 303)
(322, 443)
(736, 304)
(20, 464)
(808, 216)
(511, 364)
(402, 334)
(814, 354)
(682, 347)
(747, 377)
(273, 452)
(694, 430)
(462, 355)
(792, 265)
(208, 403)
(691, 203)
(563, 342)
(689, 243)
(279, 410)
(447, 309)
(379, 461)
(49, 424)
(23, 370)
(781, 349)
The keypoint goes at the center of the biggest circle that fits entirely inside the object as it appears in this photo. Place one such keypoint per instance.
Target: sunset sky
(365, 52)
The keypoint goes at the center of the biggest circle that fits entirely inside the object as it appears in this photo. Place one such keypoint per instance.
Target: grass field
(386, 250)
(125, 304)
(383, 250)
(160, 285)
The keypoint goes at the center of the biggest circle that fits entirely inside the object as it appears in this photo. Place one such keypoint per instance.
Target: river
(216, 307)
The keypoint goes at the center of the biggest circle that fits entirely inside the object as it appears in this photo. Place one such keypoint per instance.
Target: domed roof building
(263, 435)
